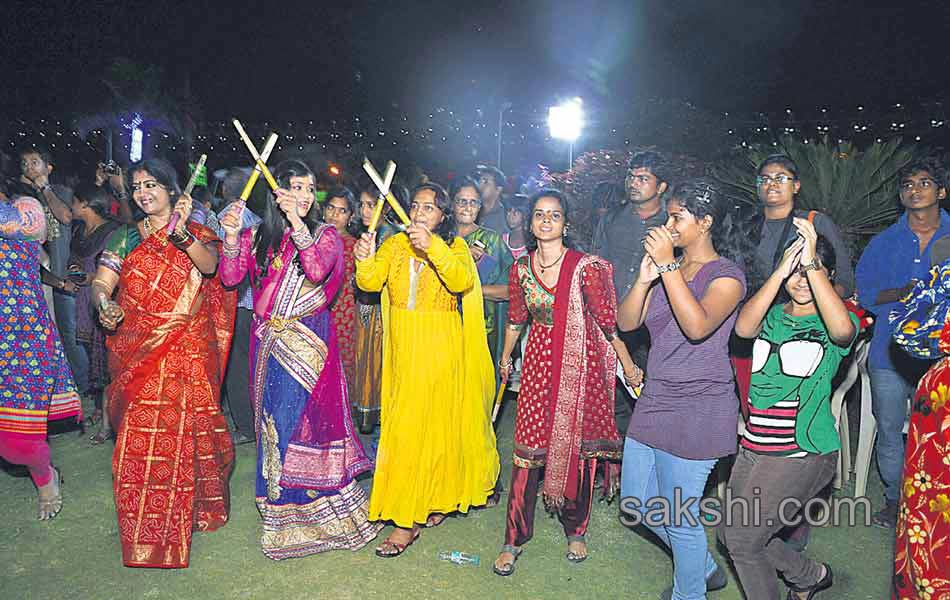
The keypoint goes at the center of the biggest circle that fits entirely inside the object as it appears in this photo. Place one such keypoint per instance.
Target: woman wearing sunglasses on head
(790, 446)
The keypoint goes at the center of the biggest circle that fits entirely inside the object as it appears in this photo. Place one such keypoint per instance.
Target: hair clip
(707, 195)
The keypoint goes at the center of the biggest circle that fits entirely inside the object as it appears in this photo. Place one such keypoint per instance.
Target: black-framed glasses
(765, 180)
(471, 203)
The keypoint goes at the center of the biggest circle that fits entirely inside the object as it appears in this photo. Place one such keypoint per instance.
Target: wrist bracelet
(184, 242)
(506, 365)
(673, 266)
(230, 250)
(302, 238)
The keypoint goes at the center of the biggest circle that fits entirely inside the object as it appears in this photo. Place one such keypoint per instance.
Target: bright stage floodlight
(566, 120)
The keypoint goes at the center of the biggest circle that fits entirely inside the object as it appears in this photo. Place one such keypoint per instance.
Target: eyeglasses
(924, 184)
(330, 209)
(149, 185)
(463, 203)
(797, 358)
(765, 180)
(426, 209)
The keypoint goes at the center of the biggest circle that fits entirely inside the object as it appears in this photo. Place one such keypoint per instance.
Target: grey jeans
(756, 550)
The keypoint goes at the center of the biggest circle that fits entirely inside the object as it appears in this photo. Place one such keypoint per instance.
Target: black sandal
(823, 584)
(101, 437)
(573, 556)
(507, 568)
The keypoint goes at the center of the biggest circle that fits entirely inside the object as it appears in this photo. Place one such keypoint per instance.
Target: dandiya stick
(255, 175)
(173, 222)
(257, 157)
(374, 175)
(387, 184)
(377, 213)
(498, 399)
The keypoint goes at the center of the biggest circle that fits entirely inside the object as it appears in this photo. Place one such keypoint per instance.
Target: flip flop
(507, 568)
(575, 557)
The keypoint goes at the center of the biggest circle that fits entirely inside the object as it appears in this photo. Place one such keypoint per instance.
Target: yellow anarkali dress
(437, 447)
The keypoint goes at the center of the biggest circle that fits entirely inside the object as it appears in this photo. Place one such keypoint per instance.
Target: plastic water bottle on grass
(459, 558)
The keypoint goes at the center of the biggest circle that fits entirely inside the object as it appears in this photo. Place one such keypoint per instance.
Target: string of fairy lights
(473, 134)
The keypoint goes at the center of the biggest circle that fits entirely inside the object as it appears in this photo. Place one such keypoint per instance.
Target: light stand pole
(565, 122)
(501, 127)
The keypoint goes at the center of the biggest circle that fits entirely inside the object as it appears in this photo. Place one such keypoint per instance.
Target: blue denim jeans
(65, 307)
(889, 392)
(649, 473)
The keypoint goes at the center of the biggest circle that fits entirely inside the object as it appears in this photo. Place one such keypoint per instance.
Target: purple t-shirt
(689, 406)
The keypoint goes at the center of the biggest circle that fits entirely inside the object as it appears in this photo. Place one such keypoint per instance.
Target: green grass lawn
(77, 554)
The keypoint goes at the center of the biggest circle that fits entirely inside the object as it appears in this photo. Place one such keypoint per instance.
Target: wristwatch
(814, 265)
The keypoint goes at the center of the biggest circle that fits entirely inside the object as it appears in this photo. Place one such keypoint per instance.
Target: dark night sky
(321, 60)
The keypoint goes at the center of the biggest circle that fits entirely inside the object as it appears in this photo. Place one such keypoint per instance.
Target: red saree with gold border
(173, 453)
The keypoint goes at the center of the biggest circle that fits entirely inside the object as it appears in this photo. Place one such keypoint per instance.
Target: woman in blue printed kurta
(36, 385)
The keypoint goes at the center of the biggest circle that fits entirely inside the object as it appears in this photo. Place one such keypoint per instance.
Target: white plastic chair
(840, 412)
(867, 432)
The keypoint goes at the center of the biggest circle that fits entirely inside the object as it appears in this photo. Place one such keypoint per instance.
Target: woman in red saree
(173, 323)
(922, 551)
(565, 419)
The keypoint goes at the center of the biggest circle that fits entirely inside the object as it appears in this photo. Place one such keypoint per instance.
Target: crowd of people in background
(684, 333)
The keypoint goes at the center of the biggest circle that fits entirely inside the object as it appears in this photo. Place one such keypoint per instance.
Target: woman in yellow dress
(437, 447)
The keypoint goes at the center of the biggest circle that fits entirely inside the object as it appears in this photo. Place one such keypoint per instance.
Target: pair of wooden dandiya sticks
(260, 160)
(383, 184)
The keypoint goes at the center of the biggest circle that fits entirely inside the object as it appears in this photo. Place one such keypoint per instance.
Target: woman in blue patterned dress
(36, 385)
